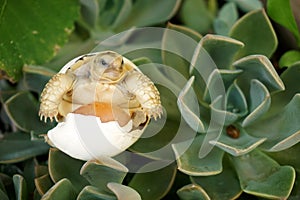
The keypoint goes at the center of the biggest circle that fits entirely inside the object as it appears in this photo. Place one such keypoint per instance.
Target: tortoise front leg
(52, 95)
(144, 90)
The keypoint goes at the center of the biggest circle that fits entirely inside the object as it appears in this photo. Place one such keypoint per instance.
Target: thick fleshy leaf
(261, 176)
(43, 183)
(190, 163)
(258, 67)
(241, 145)
(142, 14)
(178, 45)
(289, 77)
(222, 50)
(62, 190)
(288, 157)
(20, 187)
(26, 148)
(192, 192)
(123, 192)
(282, 129)
(247, 6)
(228, 76)
(91, 192)
(32, 40)
(189, 107)
(289, 58)
(295, 194)
(36, 77)
(281, 12)
(99, 173)
(70, 170)
(221, 186)
(196, 15)
(260, 101)
(236, 101)
(22, 109)
(227, 16)
(255, 30)
(220, 114)
(154, 184)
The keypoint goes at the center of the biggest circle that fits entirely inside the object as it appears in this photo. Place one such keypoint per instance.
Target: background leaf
(281, 12)
(33, 31)
(255, 30)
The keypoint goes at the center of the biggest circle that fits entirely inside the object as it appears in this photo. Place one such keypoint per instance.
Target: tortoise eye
(104, 63)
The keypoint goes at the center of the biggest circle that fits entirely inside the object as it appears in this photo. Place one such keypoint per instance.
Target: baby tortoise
(103, 84)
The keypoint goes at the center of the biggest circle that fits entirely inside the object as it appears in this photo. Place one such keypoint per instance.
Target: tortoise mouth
(111, 75)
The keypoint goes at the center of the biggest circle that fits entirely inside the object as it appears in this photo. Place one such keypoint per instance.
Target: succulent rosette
(243, 112)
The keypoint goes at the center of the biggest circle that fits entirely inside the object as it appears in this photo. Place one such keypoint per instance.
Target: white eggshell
(86, 137)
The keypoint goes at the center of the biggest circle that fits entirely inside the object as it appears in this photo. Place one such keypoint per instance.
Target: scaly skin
(145, 91)
(52, 95)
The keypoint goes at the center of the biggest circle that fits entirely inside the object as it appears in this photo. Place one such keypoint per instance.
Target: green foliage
(227, 63)
(32, 32)
(281, 12)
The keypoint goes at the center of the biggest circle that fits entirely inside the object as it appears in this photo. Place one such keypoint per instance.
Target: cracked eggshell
(86, 137)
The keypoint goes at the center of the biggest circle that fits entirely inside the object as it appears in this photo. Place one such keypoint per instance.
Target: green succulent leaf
(189, 161)
(142, 13)
(90, 11)
(20, 187)
(153, 184)
(281, 12)
(228, 76)
(260, 101)
(123, 192)
(292, 158)
(220, 49)
(27, 148)
(22, 109)
(241, 145)
(196, 15)
(217, 186)
(178, 44)
(283, 128)
(227, 16)
(289, 58)
(189, 108)
(289, 77)
(70, 170)
(99, 173)
(43, 183)
(94, 193)
(192, 192)
(256, 32)
(261, 176)
(26, 38)
(247, 6)
(62, 190)
(258, 67)
(220, 114)
(295, 194)
(236, 101)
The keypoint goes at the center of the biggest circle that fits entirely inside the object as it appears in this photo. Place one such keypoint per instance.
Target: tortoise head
(108, 67)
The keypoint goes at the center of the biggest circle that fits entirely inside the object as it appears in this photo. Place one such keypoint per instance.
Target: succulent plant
(253, 112)
(231, 121)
